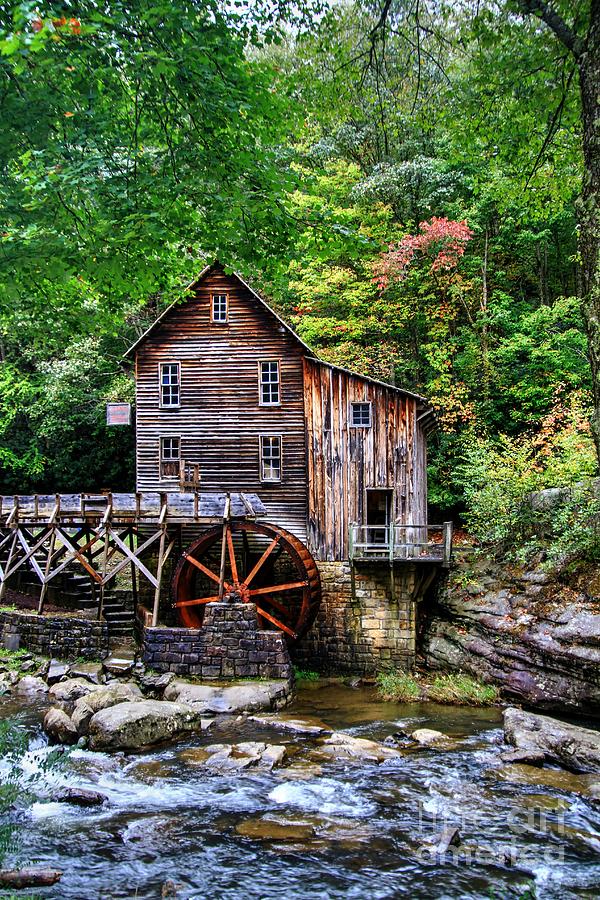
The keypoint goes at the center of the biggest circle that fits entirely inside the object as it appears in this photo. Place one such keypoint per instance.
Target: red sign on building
(118, 413)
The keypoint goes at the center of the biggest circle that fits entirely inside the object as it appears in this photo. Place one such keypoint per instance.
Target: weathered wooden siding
(343, 461)
(220, 419)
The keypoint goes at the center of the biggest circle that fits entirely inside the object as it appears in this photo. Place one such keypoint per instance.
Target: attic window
(169, 384)
(269, 392)
(360, 415)
(220, 308)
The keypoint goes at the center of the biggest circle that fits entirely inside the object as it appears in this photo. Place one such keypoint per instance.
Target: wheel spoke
(202, 568)
(277, 588)
(234, 571)
(276, 605)
(274, 621)
(197, 602)
(260, 562)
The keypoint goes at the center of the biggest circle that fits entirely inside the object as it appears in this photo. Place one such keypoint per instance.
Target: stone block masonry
(373, 630)
(229, 645)
(66, 637)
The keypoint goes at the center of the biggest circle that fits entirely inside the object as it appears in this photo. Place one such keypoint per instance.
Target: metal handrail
(397, 542)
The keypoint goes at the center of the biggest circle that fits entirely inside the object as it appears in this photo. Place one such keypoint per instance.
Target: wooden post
(447, 542)
(51, 521)
(226, 513)
(134, 591)
(105, 523)
(161, 558)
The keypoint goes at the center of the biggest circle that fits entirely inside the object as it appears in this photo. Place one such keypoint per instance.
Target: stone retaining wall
(65, 637)
(373, 631)
(229, 645)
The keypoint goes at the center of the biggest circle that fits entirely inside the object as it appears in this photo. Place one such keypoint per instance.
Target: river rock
(571, 746)
(71, 690)
(59, 726)
(427, 737)
(449, 837)
(91, 671)
(56, 671)
(156, 685)
(31, 684)
(524, 757)
(135, 725)
(304, 726)
(343, 746)
(79, 797)
(93, 702)
(227, 759)
(248, 696)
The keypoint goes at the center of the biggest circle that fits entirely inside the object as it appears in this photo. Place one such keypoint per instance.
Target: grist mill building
(323, 472)
(280, 505)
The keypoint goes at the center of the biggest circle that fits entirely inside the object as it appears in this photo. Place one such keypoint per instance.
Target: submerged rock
(135, 725)
(571, 746)
(247, 696)
(59, 726)
(93, 702)
(304, 726)
(269, 830)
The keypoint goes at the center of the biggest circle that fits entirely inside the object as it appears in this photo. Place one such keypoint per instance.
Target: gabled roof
(427, 416)
(191, 286)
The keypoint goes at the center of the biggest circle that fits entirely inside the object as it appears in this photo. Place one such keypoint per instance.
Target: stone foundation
(373, 631)
(65, 637)
(229, 645)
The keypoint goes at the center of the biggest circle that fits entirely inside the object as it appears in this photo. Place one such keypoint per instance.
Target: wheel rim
(263, 564)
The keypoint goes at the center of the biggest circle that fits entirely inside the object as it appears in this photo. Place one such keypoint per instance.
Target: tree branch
(565, 35)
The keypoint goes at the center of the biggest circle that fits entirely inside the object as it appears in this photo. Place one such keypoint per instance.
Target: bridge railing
(412, 543)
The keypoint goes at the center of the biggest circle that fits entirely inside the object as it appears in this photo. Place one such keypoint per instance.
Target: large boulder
(71, 690)
(138, 724)
(31, 684)
(59, 727)
(244, 697)
(571, 746)
(93, 702)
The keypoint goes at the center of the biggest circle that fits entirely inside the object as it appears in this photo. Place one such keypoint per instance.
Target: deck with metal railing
(401, 543)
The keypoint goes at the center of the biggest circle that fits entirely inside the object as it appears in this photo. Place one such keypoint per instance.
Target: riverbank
(531, 631)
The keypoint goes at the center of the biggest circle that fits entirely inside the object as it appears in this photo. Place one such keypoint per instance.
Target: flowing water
(360, 830)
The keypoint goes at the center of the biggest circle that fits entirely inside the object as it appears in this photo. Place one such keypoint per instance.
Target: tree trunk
(589, 206)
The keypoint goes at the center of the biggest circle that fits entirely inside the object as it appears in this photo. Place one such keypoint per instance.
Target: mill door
(379, 515)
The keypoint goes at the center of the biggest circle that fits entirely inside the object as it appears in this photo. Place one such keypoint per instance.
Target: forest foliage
(403, 190)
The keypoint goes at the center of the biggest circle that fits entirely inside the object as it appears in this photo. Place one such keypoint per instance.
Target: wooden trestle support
(237, 559)
(103, 534)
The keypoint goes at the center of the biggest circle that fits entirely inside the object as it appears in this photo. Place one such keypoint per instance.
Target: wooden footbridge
(103, 534)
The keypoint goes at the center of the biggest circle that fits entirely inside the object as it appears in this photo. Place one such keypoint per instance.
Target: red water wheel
(250, 563)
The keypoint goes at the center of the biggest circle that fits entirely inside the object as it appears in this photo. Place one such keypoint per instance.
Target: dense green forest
(402, 179)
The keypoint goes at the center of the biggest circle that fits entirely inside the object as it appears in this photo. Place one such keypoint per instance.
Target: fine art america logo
(522, 836)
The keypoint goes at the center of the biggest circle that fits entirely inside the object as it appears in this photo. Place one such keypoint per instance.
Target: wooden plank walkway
(143, 507)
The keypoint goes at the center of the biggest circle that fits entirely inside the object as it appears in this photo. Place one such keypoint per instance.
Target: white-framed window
(360, 415)
(269, 386)
(170, 455)
(270, 458)
(169, 384)
(220, 308)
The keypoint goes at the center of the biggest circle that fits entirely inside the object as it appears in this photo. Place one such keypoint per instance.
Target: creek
(313, 828)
